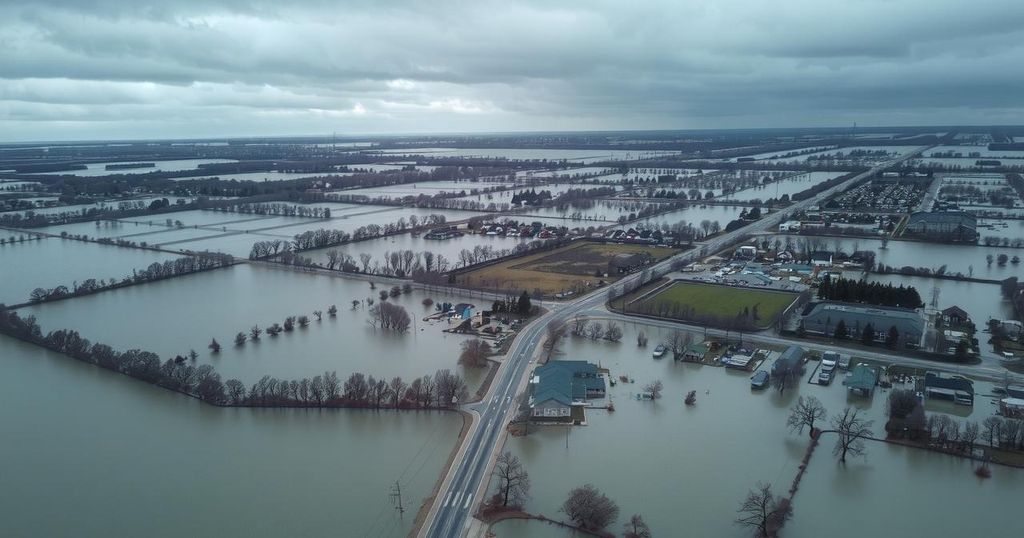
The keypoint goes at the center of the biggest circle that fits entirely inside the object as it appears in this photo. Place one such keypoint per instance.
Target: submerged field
(569, 268)
(173, 316)
(169, 466)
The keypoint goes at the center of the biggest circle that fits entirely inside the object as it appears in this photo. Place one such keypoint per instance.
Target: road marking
(455, 501)
(446, 499)
(466, 504)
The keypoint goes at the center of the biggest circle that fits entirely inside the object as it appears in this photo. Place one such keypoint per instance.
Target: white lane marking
(455, 501)
(446, 499)
(465, 505)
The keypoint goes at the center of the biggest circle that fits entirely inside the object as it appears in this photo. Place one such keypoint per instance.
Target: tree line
(442, 390)
(156, 271)
(327, 237)
(873, 293)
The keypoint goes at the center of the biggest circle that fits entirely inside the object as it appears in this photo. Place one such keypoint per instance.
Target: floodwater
(53, 262)
(170, 317)
(688, 468)
(788, 186)
(694, 215)
(956, 258)
(981, 300)
(99, 169)
(449, 248)
(100, 454)
(582, 156)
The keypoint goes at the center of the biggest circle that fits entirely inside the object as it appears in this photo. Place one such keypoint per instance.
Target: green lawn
(688, 300)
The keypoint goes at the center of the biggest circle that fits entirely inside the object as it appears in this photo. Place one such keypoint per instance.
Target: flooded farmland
(173, 316)
(111, 441)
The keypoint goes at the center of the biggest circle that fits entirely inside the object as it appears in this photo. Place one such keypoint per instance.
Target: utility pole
(396, 498)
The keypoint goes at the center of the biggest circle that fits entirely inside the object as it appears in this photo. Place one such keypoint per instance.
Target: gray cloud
(72, 69)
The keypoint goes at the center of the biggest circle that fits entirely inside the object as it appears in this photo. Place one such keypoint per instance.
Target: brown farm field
(569, 268)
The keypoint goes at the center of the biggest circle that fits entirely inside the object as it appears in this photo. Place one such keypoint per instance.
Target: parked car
(824, 377)
(759, 380)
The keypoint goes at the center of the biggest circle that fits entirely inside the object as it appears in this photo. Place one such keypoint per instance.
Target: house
(695, 352)
(947, 226)
(821, 258)
(1012, 407)
(625, 263)
(862, 380)
(745, 252)
(955, 316)
(558, 385)
(957, 388)
(822, 318)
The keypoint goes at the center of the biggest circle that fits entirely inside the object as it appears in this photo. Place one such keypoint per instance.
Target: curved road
(460, 491)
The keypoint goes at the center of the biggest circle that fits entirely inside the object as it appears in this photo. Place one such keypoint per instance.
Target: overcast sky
(78, 69)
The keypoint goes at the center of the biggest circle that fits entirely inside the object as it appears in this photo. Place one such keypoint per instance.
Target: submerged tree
(214, 346)
(655, 387)
(474, 353)
(763, 512)
(513, 482)
(636, 527)
(240, 339)
(851, 431)
(806, 412)
(255, 332)
(589, 508)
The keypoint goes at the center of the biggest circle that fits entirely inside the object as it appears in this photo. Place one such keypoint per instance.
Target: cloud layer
(193, 68)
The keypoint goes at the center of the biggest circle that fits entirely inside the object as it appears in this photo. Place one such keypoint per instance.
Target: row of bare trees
(595, 330)
(442, 390)
(155, 271)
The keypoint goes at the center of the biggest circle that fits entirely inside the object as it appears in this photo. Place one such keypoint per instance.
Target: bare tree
(552, 341)
(255, 332)
(513, 482)
(655, 387)
(678, 343)
(595, 330)
(851, 430)
(613, 333)
(579, 325)
(763, 512)
(214, 346)
(805, 413)
(641, 339)
(389, 317)
(970, 435)
(636, 527)
(474, 353)
(589, 508)
(318, 314)
(240, 339)
(397, 390)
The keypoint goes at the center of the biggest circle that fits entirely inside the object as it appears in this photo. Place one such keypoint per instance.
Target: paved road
(450, 514)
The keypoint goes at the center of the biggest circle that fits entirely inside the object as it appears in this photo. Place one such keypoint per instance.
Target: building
(695, 352)
(625, 263)
(946, 226)
(788, 360)
(558, 385)
(821, 258)
(823, 317)
(956, 388)
(955, 316)
(862, 380)
(745, 252)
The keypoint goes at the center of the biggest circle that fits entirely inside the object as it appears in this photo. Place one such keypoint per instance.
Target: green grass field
(698, 300)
